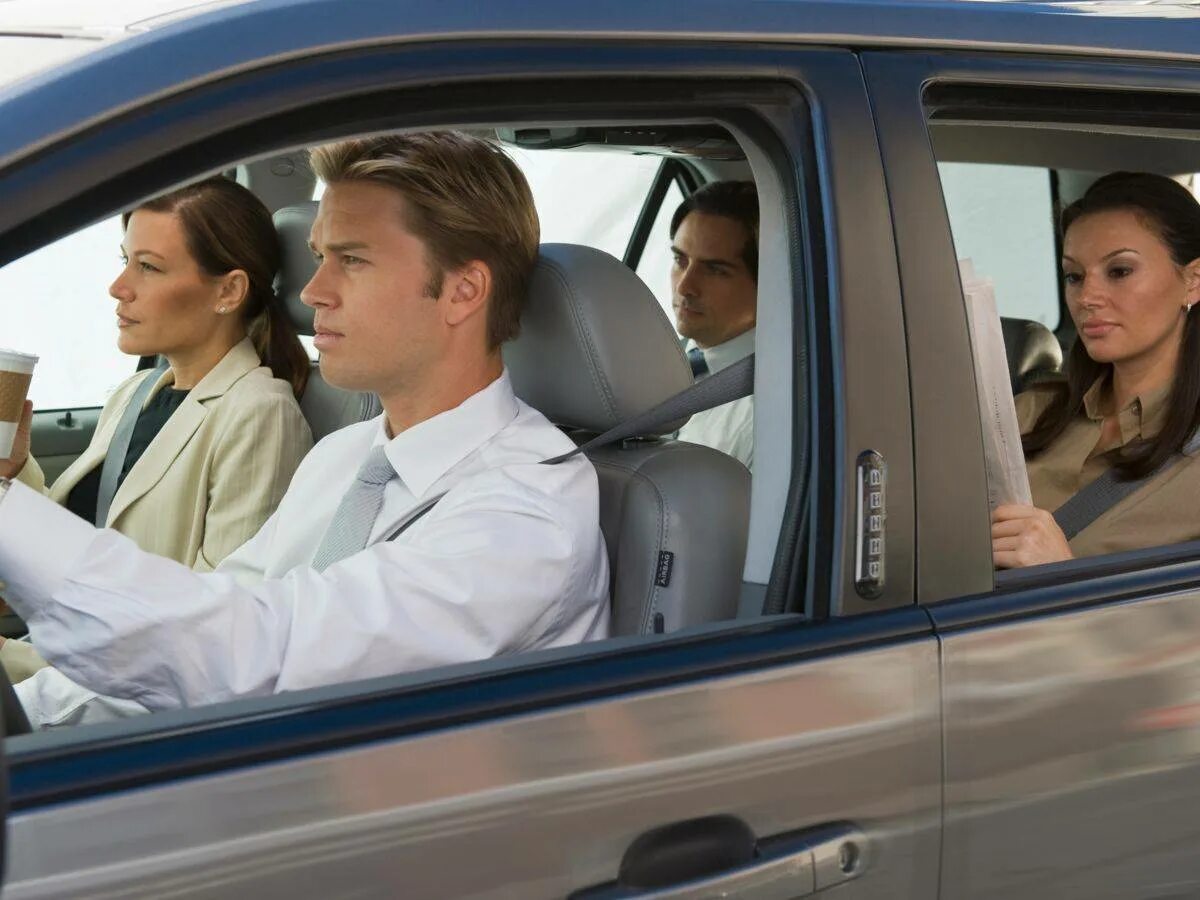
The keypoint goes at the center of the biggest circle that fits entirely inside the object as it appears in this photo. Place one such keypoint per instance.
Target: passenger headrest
(595, 347)
(1033, 352)
(294, 225)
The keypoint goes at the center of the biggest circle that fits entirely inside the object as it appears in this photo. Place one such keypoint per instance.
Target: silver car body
(959, 736)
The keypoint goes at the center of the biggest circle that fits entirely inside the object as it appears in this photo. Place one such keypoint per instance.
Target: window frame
(671, 171)
(958, 575)
(122, 170)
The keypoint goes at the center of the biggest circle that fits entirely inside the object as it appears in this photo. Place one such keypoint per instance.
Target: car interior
(1044, 155)
(597, 346)
(585, 306)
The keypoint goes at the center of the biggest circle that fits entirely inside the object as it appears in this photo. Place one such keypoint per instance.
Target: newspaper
(1008, 481)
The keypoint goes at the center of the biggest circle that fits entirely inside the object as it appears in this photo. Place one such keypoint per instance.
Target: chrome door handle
(796, 864)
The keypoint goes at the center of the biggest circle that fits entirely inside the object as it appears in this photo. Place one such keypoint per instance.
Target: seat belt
(413, 515)
(114, 459)
(1101, 495)
(731, 383)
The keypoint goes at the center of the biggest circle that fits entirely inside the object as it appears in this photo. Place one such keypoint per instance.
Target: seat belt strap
(731, 383)
(118, 448)
(413, 515)
(1101, 495)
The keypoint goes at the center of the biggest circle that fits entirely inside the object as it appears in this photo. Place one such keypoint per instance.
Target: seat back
(595, 349)
(326, 407)
(1033, 352)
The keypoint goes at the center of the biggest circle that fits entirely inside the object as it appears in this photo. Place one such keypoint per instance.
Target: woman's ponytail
(278, 346)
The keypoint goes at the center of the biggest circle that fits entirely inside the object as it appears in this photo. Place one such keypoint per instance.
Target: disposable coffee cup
(16, 371)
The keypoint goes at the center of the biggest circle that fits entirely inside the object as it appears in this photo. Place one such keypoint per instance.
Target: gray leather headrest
(294, 226)
(595, 347)
(1033, 352)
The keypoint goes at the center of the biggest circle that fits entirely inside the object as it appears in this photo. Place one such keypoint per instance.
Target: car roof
(166, 45)
(38, 34)
(82, 18)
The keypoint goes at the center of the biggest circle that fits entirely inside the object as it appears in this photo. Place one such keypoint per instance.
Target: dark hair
(464, 198)
(228, 228)
(1169, 209)
(737, 200)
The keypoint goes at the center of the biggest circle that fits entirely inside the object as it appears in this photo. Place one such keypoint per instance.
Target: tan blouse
(1165, 510)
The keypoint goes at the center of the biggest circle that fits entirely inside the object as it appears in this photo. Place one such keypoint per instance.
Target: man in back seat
(430, 535)
(714, 291)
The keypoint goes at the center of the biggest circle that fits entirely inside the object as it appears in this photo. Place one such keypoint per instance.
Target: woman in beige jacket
(220, 433)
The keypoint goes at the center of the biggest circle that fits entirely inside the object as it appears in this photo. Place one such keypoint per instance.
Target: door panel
(60, 436)
(1073, 754)
(533, 806)
(1072, 695)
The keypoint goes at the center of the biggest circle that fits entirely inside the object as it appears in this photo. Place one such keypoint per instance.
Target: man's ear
(235, 286)
(467, 290)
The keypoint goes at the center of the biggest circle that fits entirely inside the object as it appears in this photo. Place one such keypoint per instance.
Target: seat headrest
(595, 347)
(293, 224)
(1032, 349)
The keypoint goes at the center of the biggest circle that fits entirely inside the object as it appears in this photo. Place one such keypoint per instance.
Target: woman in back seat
(1131, 399)
(220, 433)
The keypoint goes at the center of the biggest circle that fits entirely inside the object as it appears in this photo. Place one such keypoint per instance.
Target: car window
(1045, 449)
(587, 197)
(66, 317)
(595, 198)
(1002, 219)
(654, 267)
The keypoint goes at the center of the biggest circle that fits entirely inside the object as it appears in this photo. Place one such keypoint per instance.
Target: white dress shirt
(730, 426)
(510, 559)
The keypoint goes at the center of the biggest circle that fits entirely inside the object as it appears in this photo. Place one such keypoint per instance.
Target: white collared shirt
(510, 559)
(729, 427)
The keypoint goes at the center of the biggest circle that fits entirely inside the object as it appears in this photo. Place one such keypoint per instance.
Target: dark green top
(84, 496)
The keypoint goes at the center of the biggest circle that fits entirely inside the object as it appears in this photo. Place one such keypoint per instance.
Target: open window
(573, 185)
(1011, 159)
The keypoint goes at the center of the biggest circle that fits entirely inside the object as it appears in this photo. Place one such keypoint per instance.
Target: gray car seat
(595, 349)
(1033, 352)
(325, 407)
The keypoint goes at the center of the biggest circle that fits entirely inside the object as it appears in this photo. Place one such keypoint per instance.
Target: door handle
(795, 864)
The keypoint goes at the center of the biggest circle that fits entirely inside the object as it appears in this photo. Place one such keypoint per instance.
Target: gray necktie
(355, 517)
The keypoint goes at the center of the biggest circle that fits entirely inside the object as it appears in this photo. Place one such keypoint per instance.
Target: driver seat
(595, 349)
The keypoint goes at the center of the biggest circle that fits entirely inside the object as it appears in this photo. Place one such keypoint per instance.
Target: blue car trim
(131, 71)
(1076, 584)
(88, 173)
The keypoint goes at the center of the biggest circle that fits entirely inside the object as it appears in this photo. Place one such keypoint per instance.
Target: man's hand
(1026, 536)
(9, 468)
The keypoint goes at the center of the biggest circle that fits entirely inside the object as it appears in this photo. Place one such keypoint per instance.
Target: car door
(1070, 690)
(774, 756)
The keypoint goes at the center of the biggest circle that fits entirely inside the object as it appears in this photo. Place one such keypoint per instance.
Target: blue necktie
(699, 364)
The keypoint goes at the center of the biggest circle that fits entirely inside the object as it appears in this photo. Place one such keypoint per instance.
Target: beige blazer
(209, 479)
